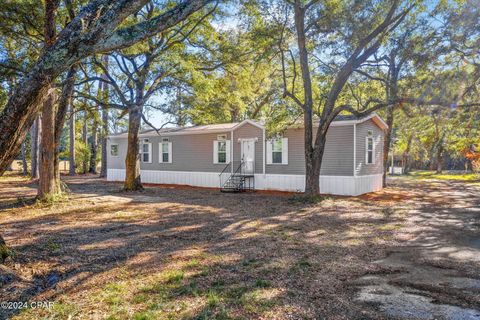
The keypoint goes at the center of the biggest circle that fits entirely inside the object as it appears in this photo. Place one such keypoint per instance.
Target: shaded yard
(412, 250)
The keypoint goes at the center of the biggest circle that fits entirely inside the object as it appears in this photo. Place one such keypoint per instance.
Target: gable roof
(340, 120)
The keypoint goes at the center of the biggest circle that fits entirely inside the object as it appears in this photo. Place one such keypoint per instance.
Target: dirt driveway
(411, 251)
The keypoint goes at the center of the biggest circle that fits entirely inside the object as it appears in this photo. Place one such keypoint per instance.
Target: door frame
(254, 141)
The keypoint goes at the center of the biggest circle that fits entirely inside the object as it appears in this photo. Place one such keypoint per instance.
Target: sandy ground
(411, 251)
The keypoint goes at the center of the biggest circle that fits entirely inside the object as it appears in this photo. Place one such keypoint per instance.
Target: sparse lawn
(184, 253)
(454, 176)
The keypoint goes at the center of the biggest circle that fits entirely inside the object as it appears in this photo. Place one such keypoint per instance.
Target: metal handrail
(239, 168)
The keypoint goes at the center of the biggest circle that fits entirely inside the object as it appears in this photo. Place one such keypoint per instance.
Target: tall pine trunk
(103, 170)
(63, 103)
(93, 148)
(36, 133)
(132, 160)
(24, 159)
(104, 137)
(439, 160)
(47, 184)
(85, 141)
(72, 166)
(387, 144)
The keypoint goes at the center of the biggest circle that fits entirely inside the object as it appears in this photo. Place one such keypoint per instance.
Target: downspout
(354, 149)
(232, 144)
(264, 151)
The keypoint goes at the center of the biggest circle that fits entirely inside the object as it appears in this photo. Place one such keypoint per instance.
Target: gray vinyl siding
(337, 158)
(192, 152)
(361, 167)
(248, 131)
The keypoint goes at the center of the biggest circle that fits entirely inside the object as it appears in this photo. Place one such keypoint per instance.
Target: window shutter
(149, 153)
(366, 150)
(215, 151)
(160, 157)
(269, 151)
(169, 152)
(285, 151)
(227, 149)
(373, 151)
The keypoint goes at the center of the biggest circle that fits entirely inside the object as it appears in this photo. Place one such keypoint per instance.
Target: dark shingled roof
(346, 117)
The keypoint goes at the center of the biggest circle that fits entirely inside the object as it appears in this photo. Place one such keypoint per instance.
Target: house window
(114, 150)
(277, 151)
(165, 151)
(369, 156)
(145, 152)
(221, 151)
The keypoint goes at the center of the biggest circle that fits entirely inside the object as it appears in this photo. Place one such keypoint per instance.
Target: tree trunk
(36, 133)
(63, 103)
(47, 184)
(439, 160)
(312, 174)
(24, 159)
(132, 160)
(103, 170)
(387, 143)
(71, 161)
(85, 141)
(105, 94)
(93, 148)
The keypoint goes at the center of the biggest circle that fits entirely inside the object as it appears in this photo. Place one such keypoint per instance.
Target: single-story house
(225, 155)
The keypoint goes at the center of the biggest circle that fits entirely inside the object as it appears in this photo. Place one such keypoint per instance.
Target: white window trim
(284, 152)
(149, 152)
(366, 150)
(215, 152)
(160, 152)
(118, 150)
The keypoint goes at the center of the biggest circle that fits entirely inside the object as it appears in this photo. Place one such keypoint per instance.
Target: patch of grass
(173, 276)
(455, 176)
(260, 283)
(192, 263)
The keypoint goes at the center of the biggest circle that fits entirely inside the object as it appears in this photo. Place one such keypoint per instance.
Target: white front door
(248, 156)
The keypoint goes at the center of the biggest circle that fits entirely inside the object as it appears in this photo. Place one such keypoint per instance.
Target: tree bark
(93, 148)
(132, 160)
(63, 103)
(105, 96)
(36, 133)
(93, 30)
(72, 166)
(85, 141)
(47, 183)
(387, 143)
(24, 159)
(439, 160)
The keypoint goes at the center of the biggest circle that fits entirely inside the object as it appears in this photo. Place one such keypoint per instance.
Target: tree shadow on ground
(255, 254)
